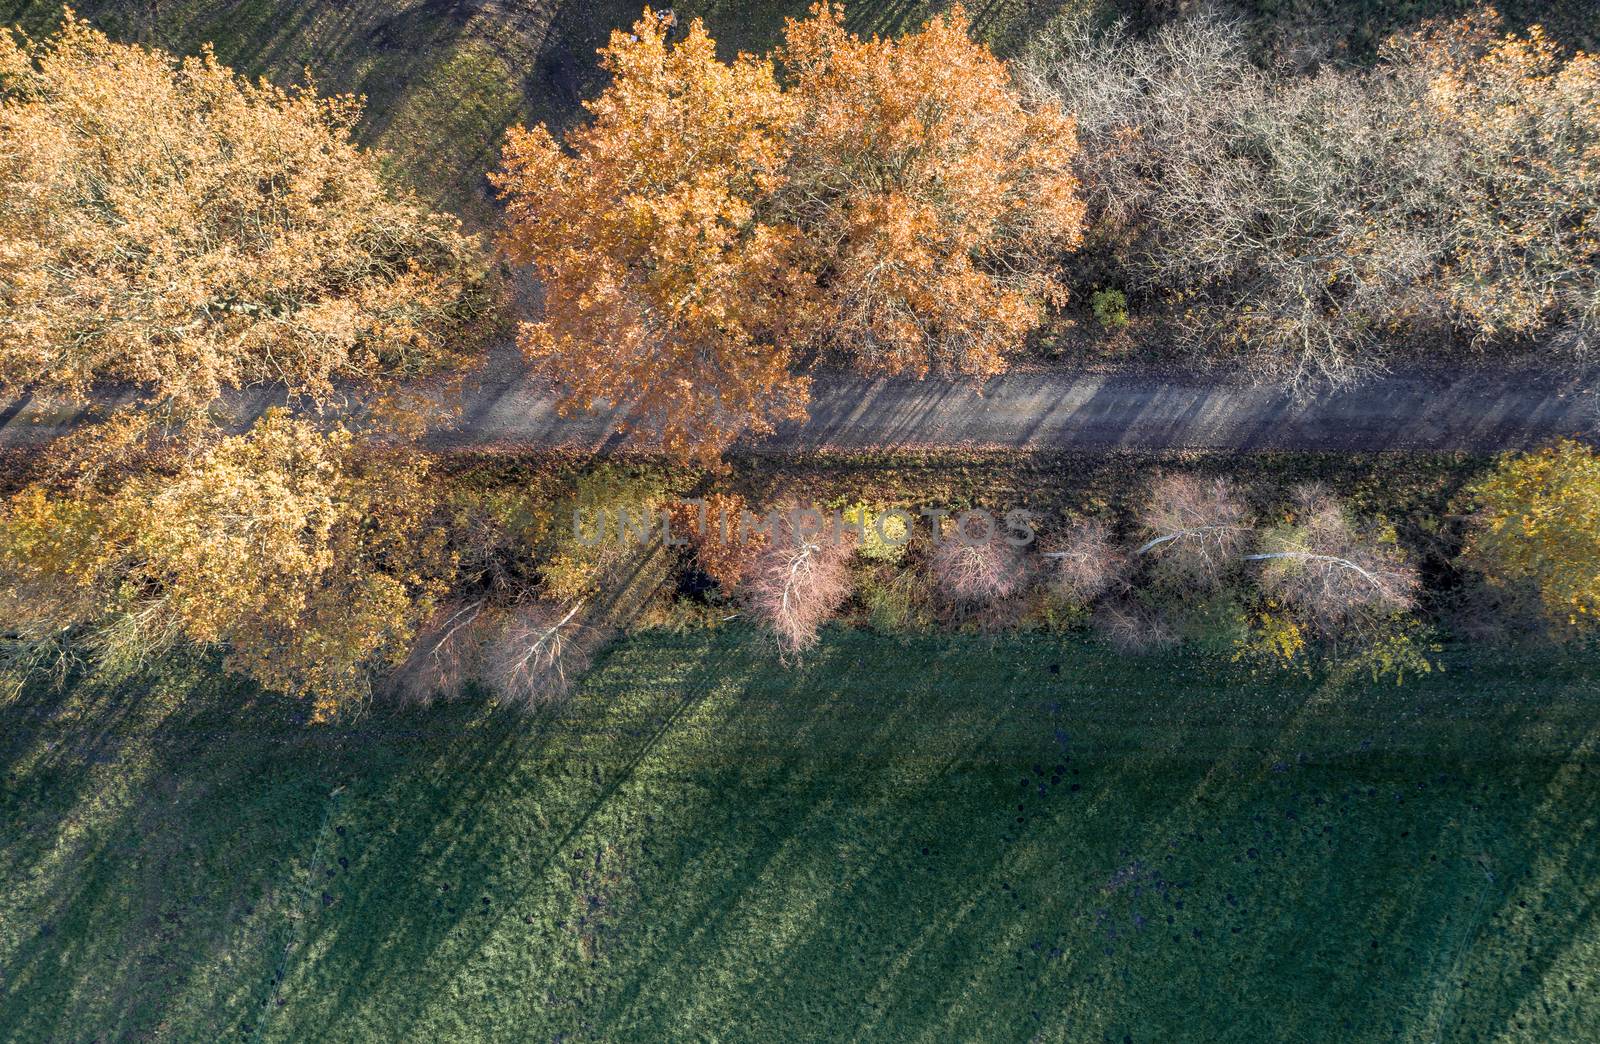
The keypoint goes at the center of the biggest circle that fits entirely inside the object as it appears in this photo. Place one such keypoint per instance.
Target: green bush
(1110, 308)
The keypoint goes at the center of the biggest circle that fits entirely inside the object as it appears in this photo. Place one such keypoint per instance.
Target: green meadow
(947, 838)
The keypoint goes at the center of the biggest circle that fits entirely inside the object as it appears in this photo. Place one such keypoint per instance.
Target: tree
(1288, 219)
(975, 573)
(538, 651)
(669, 287)
(1301, 221)
(1336, 576)
(1536, 522)
(1086, 564)
(799, 580)
(932, 199)
(1521, 121)
(527, 654)
(310, 561)
(168, 224)
(1195, 528)
(897, 203)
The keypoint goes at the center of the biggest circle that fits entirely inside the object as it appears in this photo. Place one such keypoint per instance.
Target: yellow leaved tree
(1522, 119)
(1537, 522)
(308, 560)
(165, 223)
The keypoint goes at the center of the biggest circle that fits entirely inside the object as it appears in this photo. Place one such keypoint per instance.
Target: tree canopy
(1537, 522)
(892, 202)
(166, 223)
(668, 284)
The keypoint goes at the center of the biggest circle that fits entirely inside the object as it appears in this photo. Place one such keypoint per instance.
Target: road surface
(1472, 410)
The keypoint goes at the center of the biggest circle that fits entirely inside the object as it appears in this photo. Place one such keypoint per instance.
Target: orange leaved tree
(668, 287)
(897, 203)
(934, 202)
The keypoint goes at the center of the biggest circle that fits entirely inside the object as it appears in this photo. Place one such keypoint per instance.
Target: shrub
(974, 574)
(721, 550)
(1086, 564)
(1110, 308)
(896, 601)
(586, 547)
(526, 654)
(884, 535)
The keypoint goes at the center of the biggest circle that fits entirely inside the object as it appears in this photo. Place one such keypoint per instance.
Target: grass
(948, 839)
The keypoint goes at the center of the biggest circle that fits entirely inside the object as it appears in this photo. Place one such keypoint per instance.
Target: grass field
(945, 840)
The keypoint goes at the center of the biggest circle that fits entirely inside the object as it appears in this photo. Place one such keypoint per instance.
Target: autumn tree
(168, 224)
(1519, 120)
(1337, 576)
(896, 202)
(1537, 523)
(669, 286)
(798, 581)
(1195, 530)
(933, 201)
(972, 573)
(309, 561)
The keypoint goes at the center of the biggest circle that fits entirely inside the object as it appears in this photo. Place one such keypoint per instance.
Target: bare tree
(1122, 89)
(538, 652)
(1195, 527)
(976, 573)
(527, 654)
(445, 655)
(1086, 564)
(1290, 219)
(798, 581)
(1132, 628)
(1332, 573)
